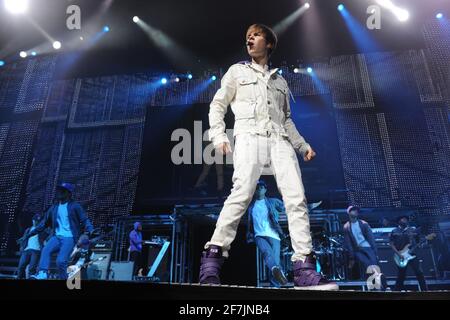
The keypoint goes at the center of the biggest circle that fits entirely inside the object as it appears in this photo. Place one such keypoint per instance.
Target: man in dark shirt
(400, 237)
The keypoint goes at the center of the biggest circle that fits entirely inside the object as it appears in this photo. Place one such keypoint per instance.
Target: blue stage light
(213, 78)
(309, 69)
(105, 29)
(189, 76)
(439, 15)
(280, 72)
(163, 80)
(2, 63)
(341, 7)
(33, 53)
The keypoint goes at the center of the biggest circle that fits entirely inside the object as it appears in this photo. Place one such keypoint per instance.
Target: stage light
(341, 7)
(296, 70)
(33, 53)
(56, 45)
(16, 6)
(401, 14)
(164, 80)
(2, 63)
(23, 54)
(280, 72)
(307, 5)
(177, 79)
(213, 78)
(81, 38)
(309, 69)
(135, 19)
(189, 76)
(105, 29)
(439, 15)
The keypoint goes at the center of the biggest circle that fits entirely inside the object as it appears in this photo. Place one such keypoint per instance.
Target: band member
(81, 255)
(136, 247)
(30, 248)
(360, 243)
(386, 223)
(264, 133)
(401, 237)
(266, 232)
(66, 219)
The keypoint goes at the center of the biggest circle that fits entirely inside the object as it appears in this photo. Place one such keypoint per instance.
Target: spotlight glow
(341, 7)
(307, 5)
(309, 69)
(23, 54)
(177, 79)
(16, 6)
(33, 53)
(213, 78)
(106, 29)
(2, 63)
(280, 72)
(135, 19)
(163, 80)
(189, 76)
(401, 14)
(81, 38)
(296, 70)
(439, 15)
(56, 45)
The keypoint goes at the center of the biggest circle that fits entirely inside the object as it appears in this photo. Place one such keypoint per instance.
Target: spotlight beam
(284, 24)
(177, 54)
(400, 13)
(39, 28)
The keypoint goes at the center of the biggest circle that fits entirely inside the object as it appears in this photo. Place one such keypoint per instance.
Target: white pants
(251, 154)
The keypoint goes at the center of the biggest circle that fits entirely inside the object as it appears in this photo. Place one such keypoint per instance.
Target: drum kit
(329, 251)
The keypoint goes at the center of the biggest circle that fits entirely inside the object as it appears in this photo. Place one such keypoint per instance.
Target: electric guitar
(74, 269)
(406, 254)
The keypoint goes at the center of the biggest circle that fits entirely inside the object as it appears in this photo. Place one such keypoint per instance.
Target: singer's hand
(224, 148)
(309, 155)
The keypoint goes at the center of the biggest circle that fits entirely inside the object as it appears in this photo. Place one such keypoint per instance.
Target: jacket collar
(260, 69)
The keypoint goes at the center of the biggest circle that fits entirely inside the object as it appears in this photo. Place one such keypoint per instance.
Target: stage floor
(141, 290)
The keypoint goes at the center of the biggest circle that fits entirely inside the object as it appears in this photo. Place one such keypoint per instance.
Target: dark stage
(132, 290)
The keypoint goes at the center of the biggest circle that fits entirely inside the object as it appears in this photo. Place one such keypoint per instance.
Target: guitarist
(402, 236)
(30, 249)
(81, 255)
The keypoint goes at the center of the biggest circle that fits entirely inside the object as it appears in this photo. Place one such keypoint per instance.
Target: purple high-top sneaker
(307, 278)
(210, 265)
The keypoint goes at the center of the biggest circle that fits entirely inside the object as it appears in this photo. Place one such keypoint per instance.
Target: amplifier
(103, 246)
(121, 271)
(99, 269)
(390, 269)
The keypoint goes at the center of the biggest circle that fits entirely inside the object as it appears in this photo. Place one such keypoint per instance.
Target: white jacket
(249, 92)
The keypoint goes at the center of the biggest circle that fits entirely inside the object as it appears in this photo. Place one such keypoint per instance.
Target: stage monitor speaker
(99, 269)
(389, 268)
(121, 271)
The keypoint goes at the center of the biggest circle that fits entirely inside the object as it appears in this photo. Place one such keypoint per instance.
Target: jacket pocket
(246, 87)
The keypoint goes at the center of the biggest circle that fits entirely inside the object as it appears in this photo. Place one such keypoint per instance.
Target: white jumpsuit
(264, 135)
